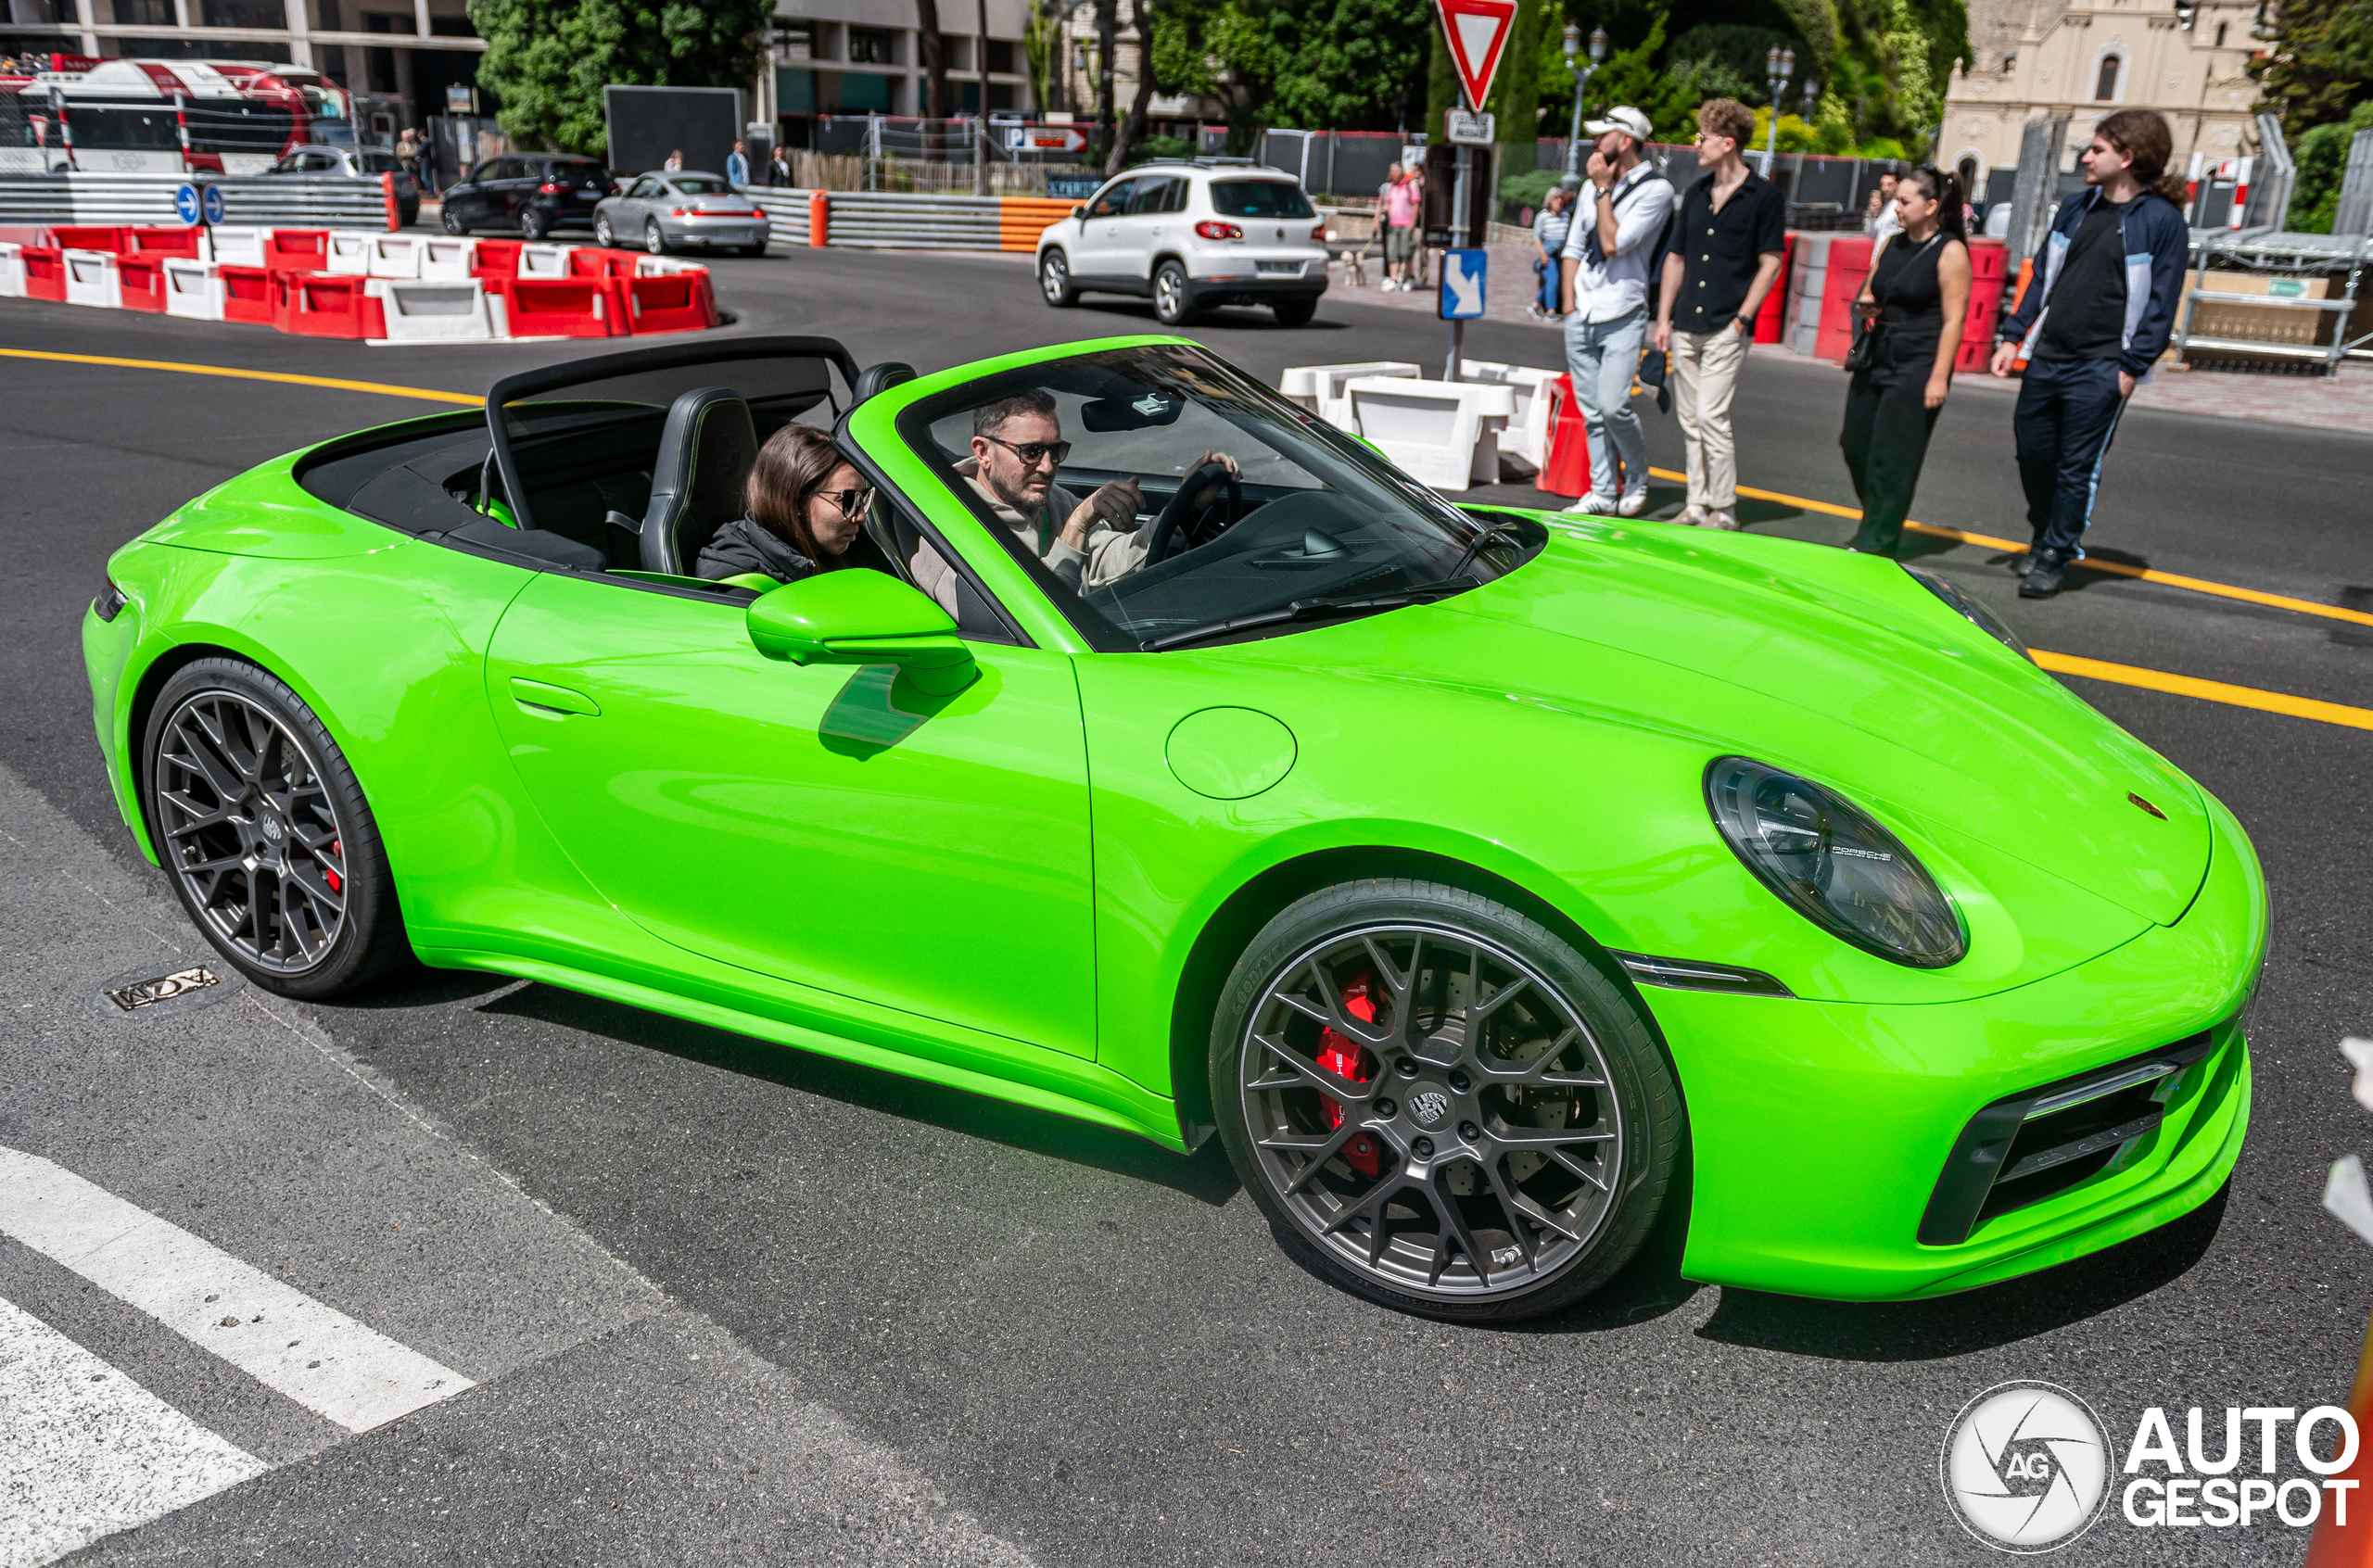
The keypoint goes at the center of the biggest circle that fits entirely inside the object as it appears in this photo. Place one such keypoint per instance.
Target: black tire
(1055, 280)
(1295, 312)
(1519, 1116)
(452, 221)
(534, 225)
(755, 250)
(1173, 296)
(271, 816)
(408, 212)
(653, 240)
(603, 235)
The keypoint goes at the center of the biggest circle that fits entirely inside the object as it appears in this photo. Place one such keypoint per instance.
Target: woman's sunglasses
(852, 503)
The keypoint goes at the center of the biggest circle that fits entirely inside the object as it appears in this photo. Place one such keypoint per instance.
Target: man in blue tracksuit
(2097, 317)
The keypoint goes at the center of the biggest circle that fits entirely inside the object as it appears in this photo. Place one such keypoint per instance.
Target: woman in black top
(806, 513)
(1914, 301)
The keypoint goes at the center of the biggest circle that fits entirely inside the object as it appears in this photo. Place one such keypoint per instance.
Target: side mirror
(1079, 210)
(861, 617)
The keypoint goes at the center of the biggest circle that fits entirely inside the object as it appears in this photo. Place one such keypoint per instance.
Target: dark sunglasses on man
(1032, 453)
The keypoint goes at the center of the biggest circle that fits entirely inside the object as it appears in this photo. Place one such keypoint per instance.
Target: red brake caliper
(1340, 1054)
(337, 883)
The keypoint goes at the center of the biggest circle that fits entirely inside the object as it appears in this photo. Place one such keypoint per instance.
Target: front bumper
(1821, 1132)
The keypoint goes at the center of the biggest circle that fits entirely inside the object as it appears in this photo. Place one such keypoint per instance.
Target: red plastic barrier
(1770, 318)
(108, 238)
(819, 217)
(592, 261)
(1849, 263)
(1568, 472)
(44, 273)
(1977, 326)
(144, 281)
(247, 293)
(1988, 259)
(672, 302)
(327, 305)
(395, 211)
(559, 307)
(162, 242)
(297, 250)
(497, 258)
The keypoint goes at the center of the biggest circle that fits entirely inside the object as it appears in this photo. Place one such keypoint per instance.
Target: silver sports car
(660, 211)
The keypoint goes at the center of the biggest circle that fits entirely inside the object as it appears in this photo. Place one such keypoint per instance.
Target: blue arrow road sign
(1462, 298)
(213, 195)
(185, 205)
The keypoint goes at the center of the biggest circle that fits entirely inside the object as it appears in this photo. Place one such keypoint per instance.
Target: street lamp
(1573, 46)
(1777, 67)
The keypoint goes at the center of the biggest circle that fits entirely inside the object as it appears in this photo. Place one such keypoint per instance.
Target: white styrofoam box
(349, 252)
(544, 260)
(12, 270)
(1445, 434)
(451, 260)
(396, 256)
(239, 245)
(1319, 389)
(193, 289)
(92, 279)
(1527, 432)
(441, 310)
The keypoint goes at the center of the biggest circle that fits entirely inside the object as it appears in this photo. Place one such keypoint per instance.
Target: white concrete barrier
(1319, 389)
(665, 266)
(349, 252)
(193, 289)
(12, 270)
(1527, 433)
(1443, 433)
(544, 260)
(440, 311)
(447, 261)
(396, 256)
(92, 279)
(239, 245)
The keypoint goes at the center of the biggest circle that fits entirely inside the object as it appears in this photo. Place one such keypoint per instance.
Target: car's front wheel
(1439, 1102)
(652, 240)
(603, 235)
(1173, 301)
(265, 834)
(1055, 281)
(453, 222)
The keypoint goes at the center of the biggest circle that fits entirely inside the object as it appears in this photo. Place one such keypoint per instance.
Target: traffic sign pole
(1477, 33)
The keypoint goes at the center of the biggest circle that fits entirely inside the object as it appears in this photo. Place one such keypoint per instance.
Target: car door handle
(546, 697)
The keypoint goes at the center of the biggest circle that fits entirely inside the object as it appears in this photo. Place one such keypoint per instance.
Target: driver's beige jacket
(1111, 553)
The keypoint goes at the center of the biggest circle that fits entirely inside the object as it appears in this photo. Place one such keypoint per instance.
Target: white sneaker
(1593, 506)
(1632, 504)
(1723, 521)
(1691, 516)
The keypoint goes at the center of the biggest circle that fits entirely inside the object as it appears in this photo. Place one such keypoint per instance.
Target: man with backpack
(1613, 252)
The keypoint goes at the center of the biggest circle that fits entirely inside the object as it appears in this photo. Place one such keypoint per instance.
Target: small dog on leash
(1355, 267)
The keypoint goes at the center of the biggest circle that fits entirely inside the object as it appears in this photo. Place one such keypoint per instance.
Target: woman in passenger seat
(806, 507)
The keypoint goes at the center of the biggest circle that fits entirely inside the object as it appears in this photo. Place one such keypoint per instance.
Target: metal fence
(309, 200)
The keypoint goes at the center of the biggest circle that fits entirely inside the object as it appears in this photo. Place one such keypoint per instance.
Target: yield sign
(1478, 31)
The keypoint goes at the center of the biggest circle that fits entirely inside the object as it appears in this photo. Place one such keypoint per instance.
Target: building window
(145, 13)
(870, 46)
(2105, 84)
(794, 43)
(1001, 56)
(2220, 34)
(955, 51)
(242, 13)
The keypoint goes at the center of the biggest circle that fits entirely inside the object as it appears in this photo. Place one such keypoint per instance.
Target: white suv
(1191, 233)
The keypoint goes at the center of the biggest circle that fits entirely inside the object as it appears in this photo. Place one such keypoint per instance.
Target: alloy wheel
(652, 240)
(251, 833)
(1055, 278)
(1170, 294)
(1431, 1111)
(603, 235)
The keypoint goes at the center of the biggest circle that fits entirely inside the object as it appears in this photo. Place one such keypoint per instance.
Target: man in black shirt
(2098, 316)
(1727, 243)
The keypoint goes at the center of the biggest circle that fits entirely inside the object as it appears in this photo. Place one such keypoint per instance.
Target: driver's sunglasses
(1032, 453)
(854, 503)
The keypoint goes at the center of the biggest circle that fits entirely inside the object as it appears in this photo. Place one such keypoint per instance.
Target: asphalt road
(722, 1303)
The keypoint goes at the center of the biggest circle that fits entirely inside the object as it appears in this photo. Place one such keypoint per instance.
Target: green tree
(2319, 62)
(548, 61)
(2322, 153)
(1635, 76)
(1334, 65)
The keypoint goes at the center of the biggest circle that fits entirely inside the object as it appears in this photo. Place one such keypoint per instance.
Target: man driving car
(1017, 446)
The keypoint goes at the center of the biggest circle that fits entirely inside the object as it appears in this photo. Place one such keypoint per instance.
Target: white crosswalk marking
(84, 1450)
(277, 1334)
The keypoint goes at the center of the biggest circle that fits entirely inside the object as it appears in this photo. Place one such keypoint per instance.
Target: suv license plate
(1280, 268)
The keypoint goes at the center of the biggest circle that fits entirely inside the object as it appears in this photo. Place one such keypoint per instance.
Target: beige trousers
(1706, 372)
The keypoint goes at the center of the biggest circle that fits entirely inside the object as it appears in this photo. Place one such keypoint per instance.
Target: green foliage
(548, 61)
(1336, 65)
(1729, 58)
(2319, 62)
(1795, 136)
(1529, 189)
(1160, 147)
(2322, 155)
(1881, 146)
(1632, 76)
(1889, 61)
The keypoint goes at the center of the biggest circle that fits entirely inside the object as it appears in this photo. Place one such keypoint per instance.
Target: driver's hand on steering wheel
(1116, 505)
(1234, 471)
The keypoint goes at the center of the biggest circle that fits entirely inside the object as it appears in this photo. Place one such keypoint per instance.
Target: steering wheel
(1171, 534)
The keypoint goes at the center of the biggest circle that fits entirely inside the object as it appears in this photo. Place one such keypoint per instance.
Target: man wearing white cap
(1608, 252)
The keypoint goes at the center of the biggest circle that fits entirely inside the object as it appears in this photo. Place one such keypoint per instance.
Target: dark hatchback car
(534, 193)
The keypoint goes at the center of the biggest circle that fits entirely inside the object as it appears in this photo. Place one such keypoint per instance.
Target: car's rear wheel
(758, 249)
(534, 224)
(1295, 312)
(1173, 301)
(265, 834)
(1055, 281)
(603, 235)
(453, 220)
(1440, 1102)
(652, 240)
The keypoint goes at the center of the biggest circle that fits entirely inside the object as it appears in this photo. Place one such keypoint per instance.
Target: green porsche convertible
(1490, 882)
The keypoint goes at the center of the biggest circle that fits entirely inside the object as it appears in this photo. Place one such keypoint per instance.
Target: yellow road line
(2208, 690)
(424, 394)
(2115, 568)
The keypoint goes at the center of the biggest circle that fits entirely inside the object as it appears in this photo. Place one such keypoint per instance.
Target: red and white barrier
(449, 260)
(1527, 433)
(396, 256)
(445, 311)
(143, 278)
(544, 260)
(238, 244)
(90, 279)
(193, 291)
(44, 273)
(12, 270)
(349, 252)
(1443, 433)
(558, 307)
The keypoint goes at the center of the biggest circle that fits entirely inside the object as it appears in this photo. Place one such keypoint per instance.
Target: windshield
(697, 185)
(1078, 467)
(1259, 198)
(125, 128)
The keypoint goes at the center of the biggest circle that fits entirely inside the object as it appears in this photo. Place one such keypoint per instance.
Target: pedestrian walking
(1883, 221)
(737, 166)
(1912, 306)
(1618, 232)
(2098, 318)
(1728, 239)
(1549, 226)
(1398, 207)
(779, 169)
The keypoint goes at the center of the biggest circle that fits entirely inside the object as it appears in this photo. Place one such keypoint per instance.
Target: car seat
(705, 453)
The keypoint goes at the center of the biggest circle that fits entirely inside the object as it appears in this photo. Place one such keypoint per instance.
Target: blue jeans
(2067, 413)
(1602, 358)
(1545, 293)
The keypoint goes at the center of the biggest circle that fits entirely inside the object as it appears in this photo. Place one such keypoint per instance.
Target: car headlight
(1833, 863)
(1972, 610)
(109, 603)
